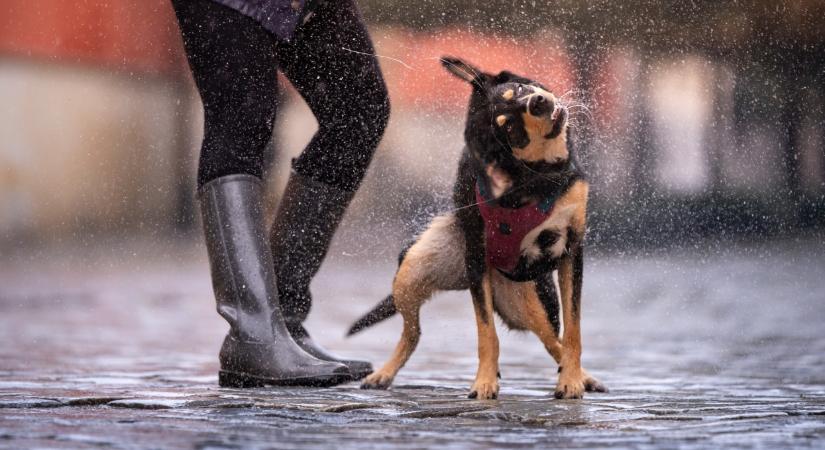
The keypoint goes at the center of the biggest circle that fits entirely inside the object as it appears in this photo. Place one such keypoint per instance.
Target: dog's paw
(591, 384)
(377, 380)
(484, 390)
(571, 384)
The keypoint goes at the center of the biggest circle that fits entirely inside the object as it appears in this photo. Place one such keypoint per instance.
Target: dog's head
(515, 128)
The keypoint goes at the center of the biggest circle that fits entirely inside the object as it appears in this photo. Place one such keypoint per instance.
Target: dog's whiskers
(561, 97)
(570, 92)
(577, 107)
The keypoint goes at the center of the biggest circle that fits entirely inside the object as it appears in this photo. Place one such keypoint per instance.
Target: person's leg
(331, 64)
(234, 64)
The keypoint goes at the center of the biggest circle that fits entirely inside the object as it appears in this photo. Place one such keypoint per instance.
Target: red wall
(141, 36)
(131, 35)
(420, 80)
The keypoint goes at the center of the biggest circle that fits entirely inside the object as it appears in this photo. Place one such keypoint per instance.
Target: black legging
(235, 62)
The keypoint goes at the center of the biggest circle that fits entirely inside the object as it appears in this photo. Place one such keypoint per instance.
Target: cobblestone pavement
(713, 347)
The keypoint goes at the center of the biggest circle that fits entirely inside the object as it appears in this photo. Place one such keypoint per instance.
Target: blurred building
(691, 120)
(94, 118)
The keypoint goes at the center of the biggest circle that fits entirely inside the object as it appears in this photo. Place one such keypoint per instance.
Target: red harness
(505, 228)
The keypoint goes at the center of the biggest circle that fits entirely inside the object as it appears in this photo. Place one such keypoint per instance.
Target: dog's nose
(540, 105)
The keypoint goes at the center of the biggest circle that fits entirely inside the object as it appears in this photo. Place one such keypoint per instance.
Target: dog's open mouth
(558, 118)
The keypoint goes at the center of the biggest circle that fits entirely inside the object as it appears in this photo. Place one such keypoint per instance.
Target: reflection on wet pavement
(701, 349)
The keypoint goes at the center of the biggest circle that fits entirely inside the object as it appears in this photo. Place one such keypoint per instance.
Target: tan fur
(437, 257)
(519, 305)
(572, 378)
(436, 262)
(541, 148)
(576, 196)
(486, 383)
(409, 294)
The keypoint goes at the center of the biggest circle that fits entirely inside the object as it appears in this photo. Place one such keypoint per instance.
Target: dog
(520, 203)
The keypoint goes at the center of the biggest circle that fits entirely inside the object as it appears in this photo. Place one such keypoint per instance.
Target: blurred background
(701, 125)
(700, 118)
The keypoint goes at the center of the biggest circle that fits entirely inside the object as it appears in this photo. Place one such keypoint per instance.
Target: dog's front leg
(572, 377)
(486, 383)
(481, 290)
(548, 330)
(478, 278)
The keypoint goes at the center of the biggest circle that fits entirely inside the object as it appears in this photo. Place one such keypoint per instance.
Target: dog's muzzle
(540, 105)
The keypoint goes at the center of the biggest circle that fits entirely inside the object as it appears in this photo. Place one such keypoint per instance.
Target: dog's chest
(506, 228)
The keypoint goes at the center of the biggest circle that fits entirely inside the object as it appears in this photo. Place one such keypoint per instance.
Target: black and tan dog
(520, 215)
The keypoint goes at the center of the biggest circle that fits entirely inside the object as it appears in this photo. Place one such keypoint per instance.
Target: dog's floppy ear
(462, 69)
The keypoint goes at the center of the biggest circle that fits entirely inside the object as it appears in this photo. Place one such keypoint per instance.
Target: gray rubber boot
(258, 350)
(308, 215)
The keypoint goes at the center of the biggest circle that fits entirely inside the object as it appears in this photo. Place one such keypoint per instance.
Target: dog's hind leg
(408, 296)
(435, 262)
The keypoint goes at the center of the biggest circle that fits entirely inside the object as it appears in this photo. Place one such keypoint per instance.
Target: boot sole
(362, 374)
(245, 380)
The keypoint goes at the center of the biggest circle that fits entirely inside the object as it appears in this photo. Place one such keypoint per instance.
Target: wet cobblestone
(700, 350)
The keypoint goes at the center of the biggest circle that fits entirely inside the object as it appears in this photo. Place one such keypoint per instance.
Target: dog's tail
(382, 311)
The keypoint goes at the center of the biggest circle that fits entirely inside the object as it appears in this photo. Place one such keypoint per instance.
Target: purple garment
(279, 17)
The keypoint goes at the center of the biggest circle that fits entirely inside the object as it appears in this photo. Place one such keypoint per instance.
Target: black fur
(578, 278)
(549, 298)
(472, 225)
(384, 310)
(488, 143)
